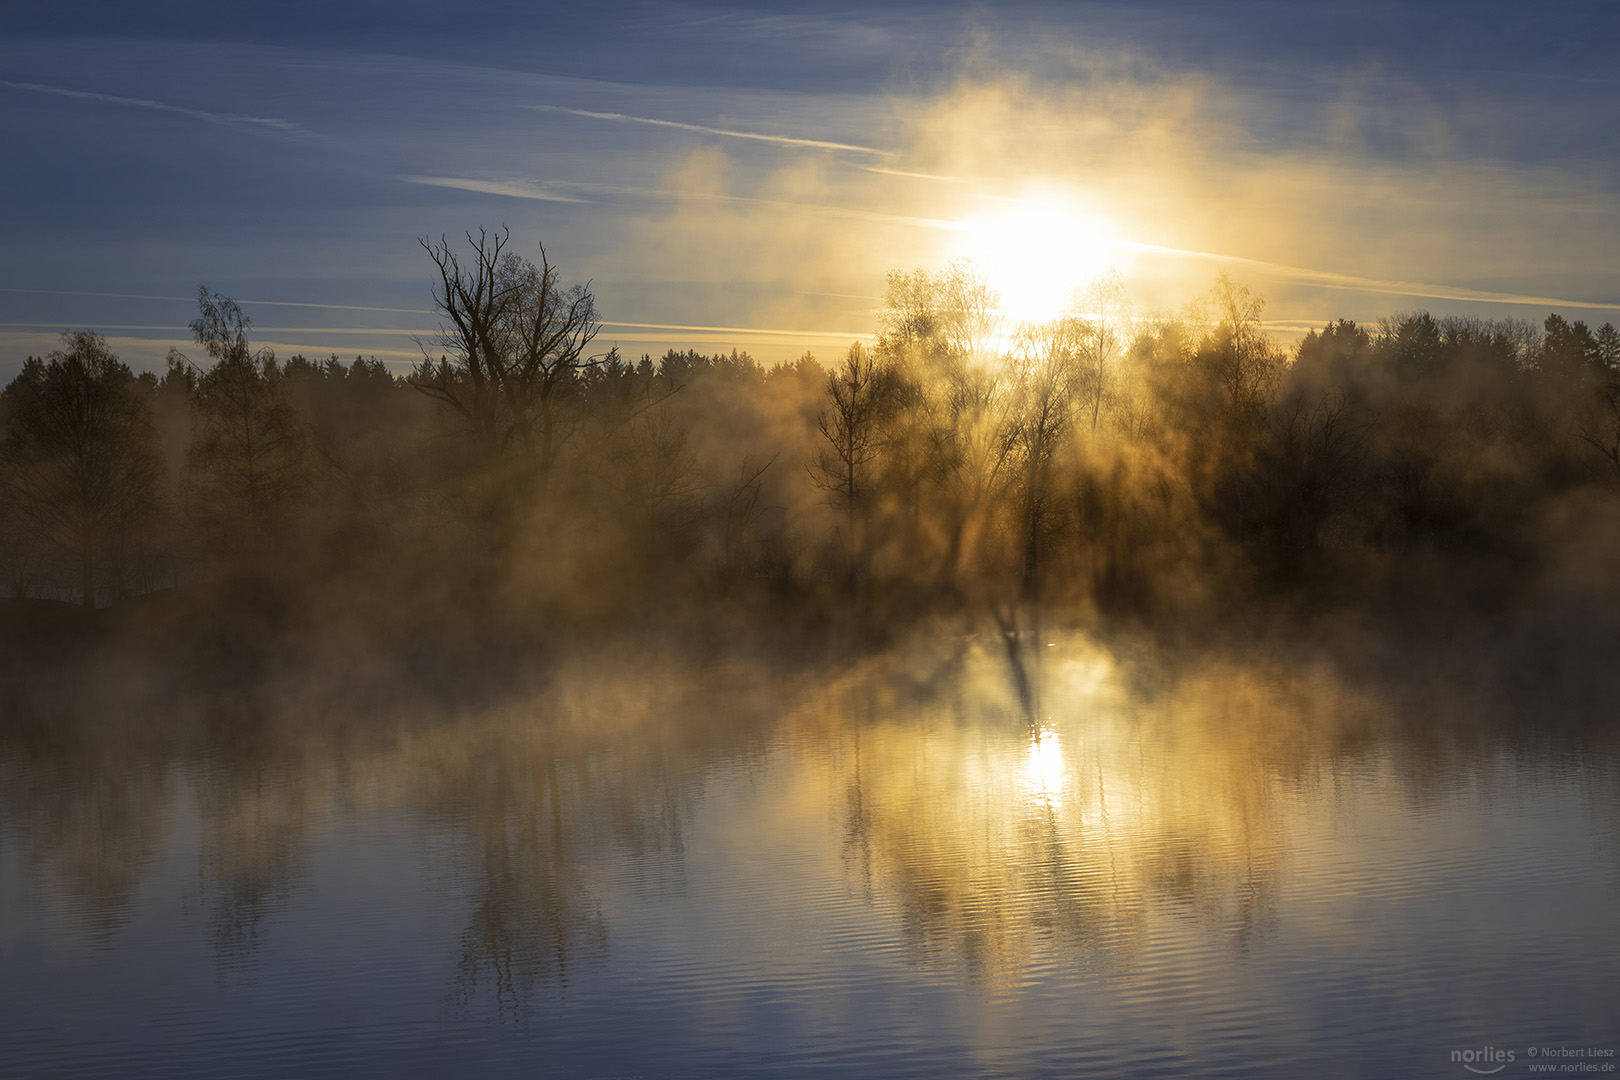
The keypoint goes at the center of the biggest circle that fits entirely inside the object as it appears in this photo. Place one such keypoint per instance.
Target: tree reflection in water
(1007, 843)
(1003, 844)
(529, 802)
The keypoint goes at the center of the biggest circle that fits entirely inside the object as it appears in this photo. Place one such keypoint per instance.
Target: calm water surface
(899, 871)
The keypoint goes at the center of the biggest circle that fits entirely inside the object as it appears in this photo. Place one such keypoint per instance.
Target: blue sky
(746, 174)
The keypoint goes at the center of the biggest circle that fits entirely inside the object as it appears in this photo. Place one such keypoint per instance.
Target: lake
(904, 867)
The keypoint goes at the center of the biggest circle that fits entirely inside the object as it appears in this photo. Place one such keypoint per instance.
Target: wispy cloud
(510, 188)
(160, 106)
(785, 140)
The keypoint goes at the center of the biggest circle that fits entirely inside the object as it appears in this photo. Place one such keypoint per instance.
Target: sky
(746, 175)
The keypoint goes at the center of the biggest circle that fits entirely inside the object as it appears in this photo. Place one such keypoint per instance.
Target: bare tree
(744, 507)
(944, 331)
(653, 470)
(1247, 365)
(1600, 429)
(1097, 336)
(514, 340)
(1046, 368)
(549, 328)
(473, 299)
(849, 426)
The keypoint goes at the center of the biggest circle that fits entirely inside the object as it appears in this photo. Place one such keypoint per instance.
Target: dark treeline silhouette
(517, 487)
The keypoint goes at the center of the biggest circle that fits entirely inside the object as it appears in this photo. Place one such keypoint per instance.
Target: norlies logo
(1486, 1061)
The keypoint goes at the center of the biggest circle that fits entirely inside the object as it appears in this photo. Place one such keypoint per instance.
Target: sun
(1035, 253)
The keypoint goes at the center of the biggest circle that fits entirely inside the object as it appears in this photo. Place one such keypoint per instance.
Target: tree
(1335, 358)
(939, 321)
(81, 459)
(744, 507)
(1244, 368)
(1097, 336)
(1607, 341)
(1569, 352)
(942, 333)
(1245, 363)
(1046, 370)
(22, 546)
(849, 426)
(516, 340)
(653, 471)
(1601, 429)
(249, 461)
(1412, 347)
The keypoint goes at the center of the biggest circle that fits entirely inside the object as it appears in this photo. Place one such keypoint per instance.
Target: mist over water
(1084, 693)
(1053, 540)
(1129, 862)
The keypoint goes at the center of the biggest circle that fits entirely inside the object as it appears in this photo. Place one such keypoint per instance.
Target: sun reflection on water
(1044, 772)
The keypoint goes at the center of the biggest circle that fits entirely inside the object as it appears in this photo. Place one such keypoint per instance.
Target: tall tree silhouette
(81, 459)
(849, 426)
(249, 462)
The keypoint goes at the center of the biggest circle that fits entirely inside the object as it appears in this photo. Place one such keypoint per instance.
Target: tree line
(1101, 463)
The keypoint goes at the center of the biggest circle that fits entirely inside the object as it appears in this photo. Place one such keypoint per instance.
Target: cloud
(786, 140)
(147, 103)
(1184, 168)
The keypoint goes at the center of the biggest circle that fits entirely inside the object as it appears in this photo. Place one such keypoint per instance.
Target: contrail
(193, 299)
(495, 187)
(364, 330)
(912, 175)
(395, 332)
(523, 191)
(1353, 283)
(842, 335)
(148, 103)
(786, 140)
(844, 296)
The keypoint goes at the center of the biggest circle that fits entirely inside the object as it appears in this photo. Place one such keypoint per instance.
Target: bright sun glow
(1036, 253)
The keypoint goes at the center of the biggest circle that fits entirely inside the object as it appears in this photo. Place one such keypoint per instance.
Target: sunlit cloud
(785, 140)
(147, 103)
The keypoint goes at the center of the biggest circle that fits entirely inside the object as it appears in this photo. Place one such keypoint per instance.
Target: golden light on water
(1044, 771)
(1036, 253)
